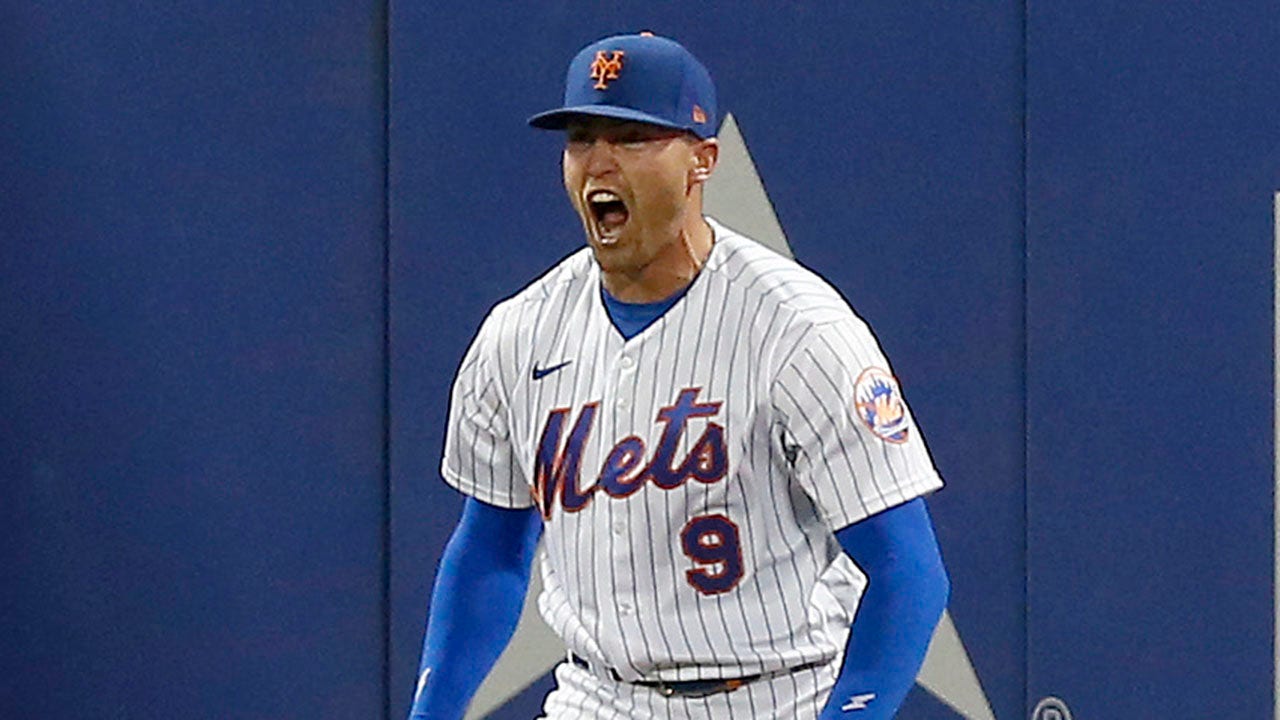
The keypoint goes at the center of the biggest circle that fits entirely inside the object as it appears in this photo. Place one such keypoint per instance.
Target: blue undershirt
(632, 318)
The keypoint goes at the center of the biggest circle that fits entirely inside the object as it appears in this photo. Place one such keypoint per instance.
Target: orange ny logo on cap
(605, 68)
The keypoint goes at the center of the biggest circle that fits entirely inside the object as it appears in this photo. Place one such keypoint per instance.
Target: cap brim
(557, 119)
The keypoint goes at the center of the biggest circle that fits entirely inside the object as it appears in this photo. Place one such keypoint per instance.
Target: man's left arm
(907, 591)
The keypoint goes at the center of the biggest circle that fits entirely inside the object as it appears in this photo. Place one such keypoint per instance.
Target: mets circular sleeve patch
(878, 400)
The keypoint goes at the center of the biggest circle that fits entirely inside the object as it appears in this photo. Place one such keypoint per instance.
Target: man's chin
(610, 258)
(607, 258)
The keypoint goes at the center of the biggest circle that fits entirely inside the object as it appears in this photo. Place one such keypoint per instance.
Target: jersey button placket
(627, 617)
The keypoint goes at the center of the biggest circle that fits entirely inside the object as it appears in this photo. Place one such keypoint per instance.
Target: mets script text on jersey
(557, 470)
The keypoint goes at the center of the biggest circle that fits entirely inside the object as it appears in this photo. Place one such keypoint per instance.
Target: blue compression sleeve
(479, 592)
(906, 593)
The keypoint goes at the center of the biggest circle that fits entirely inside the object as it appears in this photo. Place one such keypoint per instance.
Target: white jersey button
(622, 401)
(619, 529)
(624, 608)
(626, 362)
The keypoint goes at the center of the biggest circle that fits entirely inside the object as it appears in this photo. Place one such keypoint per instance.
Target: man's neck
(669, 274)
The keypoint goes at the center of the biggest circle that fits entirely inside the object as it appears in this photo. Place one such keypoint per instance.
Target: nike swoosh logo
(539, 373)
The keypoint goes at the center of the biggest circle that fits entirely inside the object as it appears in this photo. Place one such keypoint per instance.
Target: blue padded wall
(191, 371)
(1153, 163)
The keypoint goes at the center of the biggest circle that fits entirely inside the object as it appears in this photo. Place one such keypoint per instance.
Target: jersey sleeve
(846, 428)
(478, 457)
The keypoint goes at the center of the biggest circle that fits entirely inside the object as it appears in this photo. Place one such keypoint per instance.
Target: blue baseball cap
(637, 77)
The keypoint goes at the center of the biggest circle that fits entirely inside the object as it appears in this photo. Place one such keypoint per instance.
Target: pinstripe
(731, 651)
(661, 538)
(744, 446)
(713, 377)
(773, 352)
(705, 492)
(746, 440)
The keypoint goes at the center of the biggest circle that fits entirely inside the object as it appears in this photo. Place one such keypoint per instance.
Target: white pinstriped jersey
(689, 478)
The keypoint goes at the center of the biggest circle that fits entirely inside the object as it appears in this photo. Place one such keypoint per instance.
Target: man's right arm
(479, 592)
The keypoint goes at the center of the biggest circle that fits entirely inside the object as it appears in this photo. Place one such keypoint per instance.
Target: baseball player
(710, 443)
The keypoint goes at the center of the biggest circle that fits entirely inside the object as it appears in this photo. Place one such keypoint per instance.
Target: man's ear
(705, 155)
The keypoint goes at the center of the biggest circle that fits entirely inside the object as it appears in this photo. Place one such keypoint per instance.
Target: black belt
(699, 688)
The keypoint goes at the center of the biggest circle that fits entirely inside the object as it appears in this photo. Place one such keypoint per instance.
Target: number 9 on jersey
(712, 542)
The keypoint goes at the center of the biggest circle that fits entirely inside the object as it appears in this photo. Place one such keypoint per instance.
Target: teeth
(603, 196)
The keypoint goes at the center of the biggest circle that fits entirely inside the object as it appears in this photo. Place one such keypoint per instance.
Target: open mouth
(609, 210)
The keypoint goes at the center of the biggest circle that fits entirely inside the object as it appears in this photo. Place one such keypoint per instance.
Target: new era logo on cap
(641, 77)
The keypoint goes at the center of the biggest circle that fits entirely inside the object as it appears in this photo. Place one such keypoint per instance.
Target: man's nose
(600, 156)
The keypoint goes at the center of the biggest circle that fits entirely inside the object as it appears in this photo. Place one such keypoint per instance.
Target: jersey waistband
(692, 688)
